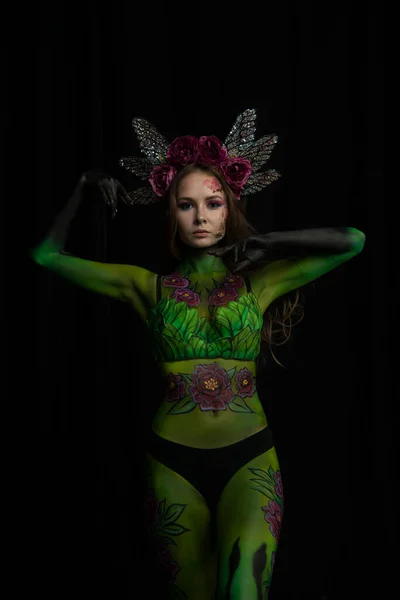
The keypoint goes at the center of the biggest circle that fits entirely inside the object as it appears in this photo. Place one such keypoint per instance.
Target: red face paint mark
(213, 184)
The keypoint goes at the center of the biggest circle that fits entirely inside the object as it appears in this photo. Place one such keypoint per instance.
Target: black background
(76, 76)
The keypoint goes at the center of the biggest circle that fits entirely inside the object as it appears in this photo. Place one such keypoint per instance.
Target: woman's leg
(179, 534)
(249, 520)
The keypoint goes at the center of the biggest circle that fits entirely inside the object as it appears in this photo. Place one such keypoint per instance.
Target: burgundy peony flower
(211, 387)
(166, 567)
(175, 281)
(278, 484)
(244, 383)
(222, 296)
(161, 177)
(233, 281)
(191, 298)
(211, 151)
(273, 516)
(174, 387)
(183, 150)
(236, 171)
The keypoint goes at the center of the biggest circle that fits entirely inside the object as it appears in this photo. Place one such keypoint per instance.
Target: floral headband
(238, 159)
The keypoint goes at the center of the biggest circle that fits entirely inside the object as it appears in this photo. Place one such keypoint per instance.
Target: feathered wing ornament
(240, 142)
(154, 147)
(241, 136)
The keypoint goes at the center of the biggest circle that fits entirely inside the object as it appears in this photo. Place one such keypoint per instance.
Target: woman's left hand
(249, 251)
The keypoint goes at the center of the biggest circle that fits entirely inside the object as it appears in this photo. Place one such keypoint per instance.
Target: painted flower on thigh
(273, 516)
(167, 567)
(278, 484)
(211, 387)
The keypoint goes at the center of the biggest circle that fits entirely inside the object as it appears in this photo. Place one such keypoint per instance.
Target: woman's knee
(245, 569)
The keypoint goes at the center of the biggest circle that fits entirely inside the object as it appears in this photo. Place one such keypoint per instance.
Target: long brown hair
(285, 312)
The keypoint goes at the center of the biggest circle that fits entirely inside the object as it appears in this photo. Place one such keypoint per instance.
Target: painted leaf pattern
(230, 331)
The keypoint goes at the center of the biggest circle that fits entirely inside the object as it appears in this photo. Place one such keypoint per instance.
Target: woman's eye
(185, 206)
(214, 205)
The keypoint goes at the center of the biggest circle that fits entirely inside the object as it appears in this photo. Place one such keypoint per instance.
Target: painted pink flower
(236, 171)
(221, 296)
(244, 383)
(183, 150)
(211, 150)
(273, 516)
(174, 387)
(191, 298)
(160, 178)
(167, 568)
(211, 387)
(175, 281)
(233, 281)
(278, 484)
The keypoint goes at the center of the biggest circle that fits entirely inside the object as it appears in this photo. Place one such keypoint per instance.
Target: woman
(215, 488)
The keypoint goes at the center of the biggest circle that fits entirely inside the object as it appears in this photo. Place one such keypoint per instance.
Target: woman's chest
(205, 316)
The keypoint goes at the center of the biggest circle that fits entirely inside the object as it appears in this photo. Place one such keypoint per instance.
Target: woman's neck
(200, 261)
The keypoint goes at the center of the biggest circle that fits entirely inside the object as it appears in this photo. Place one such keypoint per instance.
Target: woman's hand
(248, 252)
(109, 187)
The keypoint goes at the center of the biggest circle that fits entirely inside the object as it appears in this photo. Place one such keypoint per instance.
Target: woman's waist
(211, 383)
(209, 403)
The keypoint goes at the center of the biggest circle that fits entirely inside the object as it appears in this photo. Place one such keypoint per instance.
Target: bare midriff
(234, 413)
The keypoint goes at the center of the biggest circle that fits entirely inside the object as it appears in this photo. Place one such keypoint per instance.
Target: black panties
(209, 470)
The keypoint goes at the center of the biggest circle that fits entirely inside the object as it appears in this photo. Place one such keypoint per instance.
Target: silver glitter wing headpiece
(239, 158)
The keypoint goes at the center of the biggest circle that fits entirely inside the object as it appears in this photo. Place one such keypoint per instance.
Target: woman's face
(201, 210)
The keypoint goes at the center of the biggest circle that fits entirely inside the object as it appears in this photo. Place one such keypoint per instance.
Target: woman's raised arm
(128, 283)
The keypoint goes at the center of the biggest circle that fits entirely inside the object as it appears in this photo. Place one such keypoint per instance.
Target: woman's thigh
(249, 519)
(179, 534)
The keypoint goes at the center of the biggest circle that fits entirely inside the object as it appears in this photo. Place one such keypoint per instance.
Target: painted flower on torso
(185, 295)
(211, 387)
(175, 281)
(233, 281)
(174, 387)
(221, 296)
(244, 383)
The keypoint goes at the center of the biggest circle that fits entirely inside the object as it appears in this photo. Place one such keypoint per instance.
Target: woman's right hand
(109, 187)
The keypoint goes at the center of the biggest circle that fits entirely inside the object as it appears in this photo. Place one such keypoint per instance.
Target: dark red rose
(211, 387)
(233, 281)
(191, 298)
(183, 150)
(236, 172)
(161, 177)
(174, 387)
(222, 296)
(244, 383)
(211, 151)
(175, 281)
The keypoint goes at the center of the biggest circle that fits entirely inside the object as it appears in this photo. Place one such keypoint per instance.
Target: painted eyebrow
(208, 198)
